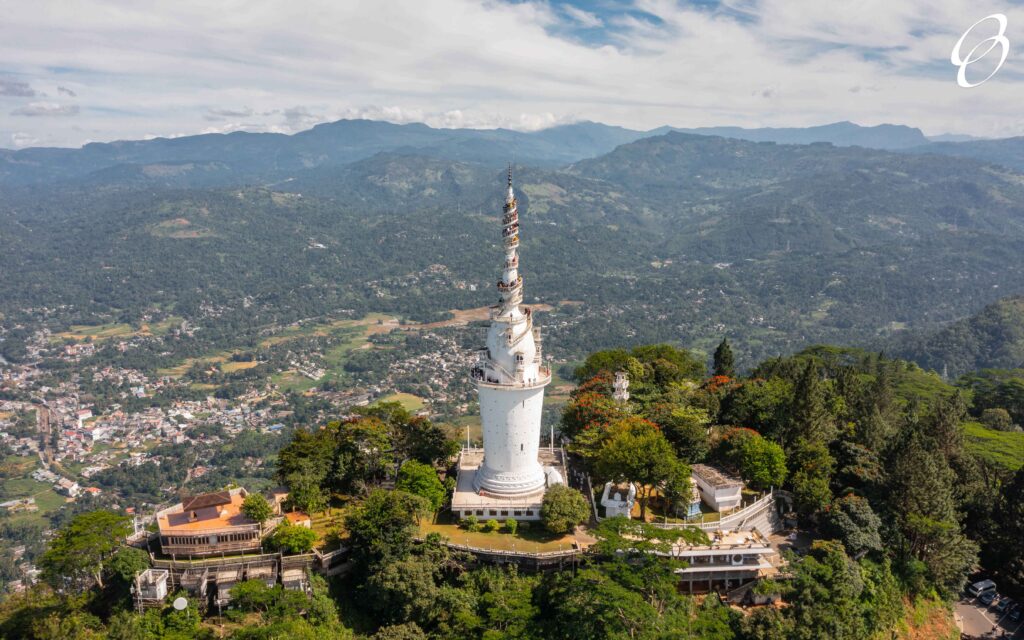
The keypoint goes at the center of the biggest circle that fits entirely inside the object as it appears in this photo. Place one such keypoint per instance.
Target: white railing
(734, 520)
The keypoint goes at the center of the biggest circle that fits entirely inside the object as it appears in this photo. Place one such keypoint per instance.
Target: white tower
(510, 381)
(621, 387)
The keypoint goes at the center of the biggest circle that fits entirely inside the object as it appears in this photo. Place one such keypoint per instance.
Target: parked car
(981, 587)
(987, 597)
(1016, 611)
(1003, 604)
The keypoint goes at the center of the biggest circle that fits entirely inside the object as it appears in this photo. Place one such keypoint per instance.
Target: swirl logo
(998, 40)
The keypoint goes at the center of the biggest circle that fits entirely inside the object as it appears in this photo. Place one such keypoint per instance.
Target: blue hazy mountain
(841, 134)
(242, 158)
(1008, 152)
(253, 157)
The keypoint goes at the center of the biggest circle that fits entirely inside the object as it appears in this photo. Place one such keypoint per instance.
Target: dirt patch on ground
(928, 620)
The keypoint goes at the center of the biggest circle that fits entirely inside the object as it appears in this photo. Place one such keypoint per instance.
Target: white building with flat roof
(719, 491)
(733, 558)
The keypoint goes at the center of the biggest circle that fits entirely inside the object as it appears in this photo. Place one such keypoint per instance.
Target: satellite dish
(180, 604)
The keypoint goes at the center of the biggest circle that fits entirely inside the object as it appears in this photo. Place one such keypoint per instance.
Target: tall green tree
(724, 364)
(809, 415)
(381, 529)
(403, 591)
(563, 508)
(1005, 551)
(291, 538)
(308, 453)
(685, 426)
(365, 453)
(924, 504)
(590, 605)
(812, 466)
(306, 493)
(852, 521)
(760, 462)
(825, 598)
(255, 507)
(421, 479)
(82, 549)
(636, 451)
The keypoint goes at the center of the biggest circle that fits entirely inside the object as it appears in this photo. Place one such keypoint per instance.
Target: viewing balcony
(510, 230)
(504, 287)
(485, 376)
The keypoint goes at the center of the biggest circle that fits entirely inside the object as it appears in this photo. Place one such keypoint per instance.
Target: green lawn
(292, 380)
(1005, 448)
(533, 540)
(409, 401)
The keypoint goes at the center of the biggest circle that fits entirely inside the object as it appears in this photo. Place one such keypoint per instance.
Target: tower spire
(511, 284)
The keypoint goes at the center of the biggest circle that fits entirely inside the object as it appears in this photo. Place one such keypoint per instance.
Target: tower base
(522, 482)
(467, 500)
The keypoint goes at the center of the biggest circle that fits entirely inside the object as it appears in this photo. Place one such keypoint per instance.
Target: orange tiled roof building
(208, 524)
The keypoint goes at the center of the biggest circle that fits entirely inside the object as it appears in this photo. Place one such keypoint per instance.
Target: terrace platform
(467, 501)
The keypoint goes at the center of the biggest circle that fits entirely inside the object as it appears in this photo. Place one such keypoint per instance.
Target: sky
(73, 72)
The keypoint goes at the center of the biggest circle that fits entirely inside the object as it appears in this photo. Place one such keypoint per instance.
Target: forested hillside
(991, 339)
(672, 237)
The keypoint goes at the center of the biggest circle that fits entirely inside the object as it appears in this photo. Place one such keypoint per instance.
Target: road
(978, 620)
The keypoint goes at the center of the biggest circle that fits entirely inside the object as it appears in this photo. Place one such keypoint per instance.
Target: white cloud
(46, 109)
(586, 19)
(20, 139)
(266, 65)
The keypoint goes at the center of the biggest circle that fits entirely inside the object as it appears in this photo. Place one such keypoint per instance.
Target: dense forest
(900, 508)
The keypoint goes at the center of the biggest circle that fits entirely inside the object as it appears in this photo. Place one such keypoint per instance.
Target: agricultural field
(97, 333)
(1005, 448)
(47, 500)
(231, 367)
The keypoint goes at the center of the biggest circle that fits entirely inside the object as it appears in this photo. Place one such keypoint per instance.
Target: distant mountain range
(841, 134)
(259, 158)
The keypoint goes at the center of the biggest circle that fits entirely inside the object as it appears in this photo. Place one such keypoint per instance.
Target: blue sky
(102, 70)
